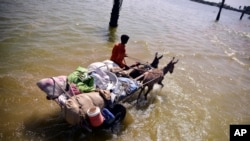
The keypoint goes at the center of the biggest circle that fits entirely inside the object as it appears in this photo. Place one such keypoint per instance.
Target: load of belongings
(83, 81)
(90, 97)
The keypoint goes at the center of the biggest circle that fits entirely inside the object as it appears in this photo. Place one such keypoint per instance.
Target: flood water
(208, 91)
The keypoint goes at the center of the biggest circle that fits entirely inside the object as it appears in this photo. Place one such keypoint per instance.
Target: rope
(135, 59)
(141, 85)
(140, 61)
(150, 81)
(147, 81)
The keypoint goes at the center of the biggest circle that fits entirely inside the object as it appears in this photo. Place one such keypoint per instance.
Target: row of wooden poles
(118, 3)
(221, 6)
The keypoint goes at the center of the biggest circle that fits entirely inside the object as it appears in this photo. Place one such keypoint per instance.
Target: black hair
(124, 38)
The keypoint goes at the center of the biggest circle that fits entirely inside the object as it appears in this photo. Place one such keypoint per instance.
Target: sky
(234, 3)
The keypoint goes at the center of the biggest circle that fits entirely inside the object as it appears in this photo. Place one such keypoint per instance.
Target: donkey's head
(53, 86)
(170, 66)
(155, 62)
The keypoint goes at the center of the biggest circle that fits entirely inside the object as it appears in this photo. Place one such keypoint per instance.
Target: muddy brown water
(208, 91)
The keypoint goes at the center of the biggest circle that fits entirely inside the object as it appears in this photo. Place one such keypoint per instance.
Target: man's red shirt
(118, 54)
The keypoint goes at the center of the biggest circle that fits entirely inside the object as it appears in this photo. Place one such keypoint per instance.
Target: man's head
(124, 38)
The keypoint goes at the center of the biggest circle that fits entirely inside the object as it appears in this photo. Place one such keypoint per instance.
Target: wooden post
(115, 13)
(246, 9)
(221, 6)
(242, 14)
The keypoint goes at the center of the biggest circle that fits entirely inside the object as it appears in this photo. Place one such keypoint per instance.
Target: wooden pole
(242, 14)
(221, 6)
(115, 13)
(246, 9)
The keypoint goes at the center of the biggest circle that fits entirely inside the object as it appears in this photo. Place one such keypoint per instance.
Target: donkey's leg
(142, 89)
(149, 89)
(160, 83)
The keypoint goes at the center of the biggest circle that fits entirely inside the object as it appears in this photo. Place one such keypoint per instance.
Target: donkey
(154, 76)
(137, 72)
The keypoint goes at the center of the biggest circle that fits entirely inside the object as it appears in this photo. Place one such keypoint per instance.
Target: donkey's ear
(156, 54)
(172, 60)
(160, 57)
(176, 61)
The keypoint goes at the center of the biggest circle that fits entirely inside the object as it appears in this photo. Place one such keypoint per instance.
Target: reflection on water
(112, 34)
(208, 91)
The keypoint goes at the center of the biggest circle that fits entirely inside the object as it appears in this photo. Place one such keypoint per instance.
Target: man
(119, 52)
